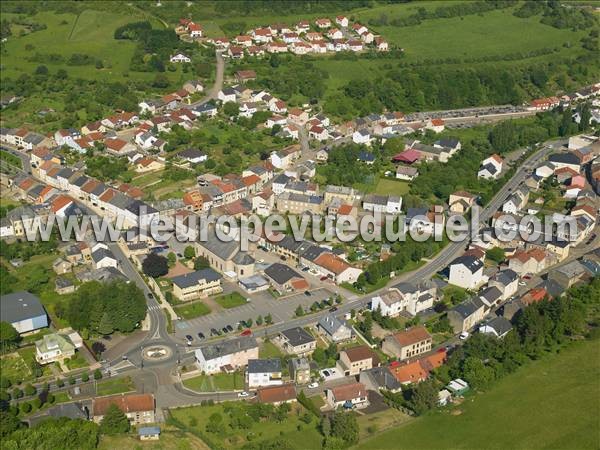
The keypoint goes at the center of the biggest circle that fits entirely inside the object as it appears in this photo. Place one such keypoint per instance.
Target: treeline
(557, 15)
(105, 307)
(443, 12)
(409, 88)
(76, 59)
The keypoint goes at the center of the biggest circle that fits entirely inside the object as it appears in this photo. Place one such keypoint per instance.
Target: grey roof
(62, 282)
(229, 91)
(489, 167)
(243, 259)
(564, 158)
(224, 250)
(467, 308)
(190, 279)
(219, 349)
(99, 190)
(507, 276)
(19, 212)
(264, 365)
(33, 138)
(135, 206)
(297, 336)
(470, 262)
(447, 142)
(299, 364)
(71, 410)
(331, 324)
(205, 107)
(281, 273)
(80, 181)
(102, 253)
(573, 269)
(281, 179)
(36, 190)
(383, 378)
(191, 153)
(491, 294)
(148, 431)
(65, 173)
(500, 324)
(20, 306)
(313, 252)
(407, 288)
(104, 274)
(289, 243)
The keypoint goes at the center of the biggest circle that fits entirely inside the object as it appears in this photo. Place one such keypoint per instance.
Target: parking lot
(261, 304)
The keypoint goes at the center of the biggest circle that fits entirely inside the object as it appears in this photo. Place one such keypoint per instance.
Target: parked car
(464, 335)
(243, 394)
(333, 309)
(307, 293)
(150, 295)
(229, 328)
(225, 330)
(313, 385)
(247, 332)
(201, 335)
(323, 278)
(189, 337)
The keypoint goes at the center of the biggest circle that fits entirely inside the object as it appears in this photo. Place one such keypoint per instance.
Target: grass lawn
(550, 403)
(11, 159)
(114, 386)
(217, 382)
(76, 362)
(13, 367)
(194, 310)
(387, 186)
(377, 422)
(170, 439)
(269, 350)
(293, 430)
(231, 300)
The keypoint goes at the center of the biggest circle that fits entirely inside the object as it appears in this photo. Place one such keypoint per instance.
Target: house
(559, 160)
(407, 344)
(61, 266)
(435, 125)
(347, 396)
(381, 44)
(498, 327)
(379, 378)
(193, 86)
(543, 104)
(103, 257)
(243, 76)
(56, 347)
(277, 47)
(263, 372)
(567, 275)
(319, 133)
(63, 286)
(359, 29)
(387, 204)
(528, 261)
(194, 30)
(299, 369)
(361, 136)
(303, 26)
(466, 272)
(193, 156)
(119, 147)
(179, 58)
(491, 296)
(139, 408)
(284, 278)
(23, 311)
(334, 329)
(276, 395)
(211, 358)
(406, 173)
(284, 158)
(145, 165)
(507, 281)
(465, 316)
(342, 21)
(490, 168)
(516, 201)
(354, 360)
(336, 268)
(198, 284)
(323, 23)
(461, 201)
(149, 433)
(298, 116)
(227, 94)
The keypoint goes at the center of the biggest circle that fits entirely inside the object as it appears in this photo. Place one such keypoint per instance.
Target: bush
(85, 377)
(25, 407)
(30, 390)
(97, 374)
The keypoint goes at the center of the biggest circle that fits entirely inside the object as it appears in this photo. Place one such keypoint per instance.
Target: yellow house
(199, 284)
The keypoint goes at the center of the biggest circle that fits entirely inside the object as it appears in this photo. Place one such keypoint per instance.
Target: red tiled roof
(276, 394)
(361, 353)
(349, 391)
(126, 403)
(412, 336)
(332, 263)
(60, 202)
(115, 144)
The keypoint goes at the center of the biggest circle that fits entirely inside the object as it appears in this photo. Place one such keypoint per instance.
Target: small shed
(149, 433)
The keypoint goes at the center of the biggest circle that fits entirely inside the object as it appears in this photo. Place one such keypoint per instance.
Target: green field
(231, 300)
(299, 434)
(217, 382)
(547, 404)
(269, 350)
(114, 386)
(386, 186)
(194, 310)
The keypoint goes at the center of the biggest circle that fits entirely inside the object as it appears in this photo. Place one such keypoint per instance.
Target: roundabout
(156, 353)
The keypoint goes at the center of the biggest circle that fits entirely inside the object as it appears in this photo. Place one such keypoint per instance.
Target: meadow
(549, 403)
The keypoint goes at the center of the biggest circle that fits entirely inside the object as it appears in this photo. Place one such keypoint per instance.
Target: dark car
(333, 309)
(150, 295)
(179, 255)
(214, 332)
(283, 258)
(225, 330)
(201, 335)
(305, 269)
(229, 328)
(189, 337)
(323, 278)
(307, 293)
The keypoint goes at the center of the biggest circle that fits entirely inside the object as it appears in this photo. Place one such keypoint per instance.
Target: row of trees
(557, 15)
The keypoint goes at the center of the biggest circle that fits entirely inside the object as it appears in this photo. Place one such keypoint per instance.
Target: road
(213, 92)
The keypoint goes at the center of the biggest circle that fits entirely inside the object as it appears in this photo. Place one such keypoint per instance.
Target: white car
(243, 394)
(313, 385)
(464, 335)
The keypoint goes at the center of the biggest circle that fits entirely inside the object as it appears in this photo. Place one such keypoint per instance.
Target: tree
(268, 319)
(476, 373)
(97, 374)
(9, 337)
(114, 421)
(325, 426)
(172, 259)
(345, 427)
(160, 81)
(17, 393)
(105, 327)
(423, 397)
(30, 390)
(201, 263)
(72, 380)
(231, 109)
(63, 433)
(98, 347)
(189, 252)
(259, 321)
(10, 422)
(496, 254)
(85, 377)
(299, 311)
(41, 70)
(155, 265)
